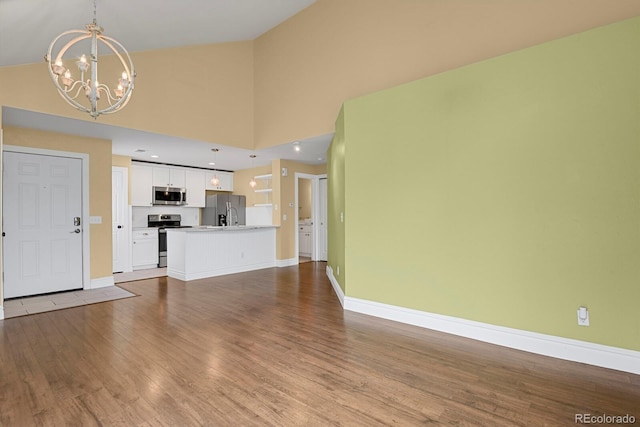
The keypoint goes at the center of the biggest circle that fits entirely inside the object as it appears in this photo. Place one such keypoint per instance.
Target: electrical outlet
(583, 316)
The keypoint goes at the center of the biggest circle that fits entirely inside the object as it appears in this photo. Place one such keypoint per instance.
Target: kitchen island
(199, 252)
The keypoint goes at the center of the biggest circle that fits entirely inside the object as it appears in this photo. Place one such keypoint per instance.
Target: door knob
(77, 230)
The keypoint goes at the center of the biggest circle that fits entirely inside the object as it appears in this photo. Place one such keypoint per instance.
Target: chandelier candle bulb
(58, 69)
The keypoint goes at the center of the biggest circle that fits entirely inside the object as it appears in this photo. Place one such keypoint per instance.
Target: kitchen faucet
(230, 210)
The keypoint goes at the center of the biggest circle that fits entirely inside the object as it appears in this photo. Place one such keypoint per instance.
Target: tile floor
(40, 304)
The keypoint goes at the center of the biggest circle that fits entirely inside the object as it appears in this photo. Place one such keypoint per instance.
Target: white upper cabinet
(196, 194)
(195, 181)
(141, 185)
(225, 178)
(169, 177)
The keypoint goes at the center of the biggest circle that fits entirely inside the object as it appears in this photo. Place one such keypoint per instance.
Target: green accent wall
(504, 192)
(336, 201)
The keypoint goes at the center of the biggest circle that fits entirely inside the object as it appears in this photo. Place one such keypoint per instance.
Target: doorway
(311, 230)
(45, 241)
(120, 217)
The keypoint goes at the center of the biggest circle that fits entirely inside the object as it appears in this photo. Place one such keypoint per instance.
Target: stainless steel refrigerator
(225, 209)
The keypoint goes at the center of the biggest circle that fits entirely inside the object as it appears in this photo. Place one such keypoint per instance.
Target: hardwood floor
(274, 347)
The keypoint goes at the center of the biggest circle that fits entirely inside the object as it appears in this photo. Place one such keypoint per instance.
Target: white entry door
(322, 229)
(42, 211)
(120, 218)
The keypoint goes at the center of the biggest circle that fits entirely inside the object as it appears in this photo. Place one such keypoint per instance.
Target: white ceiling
(145, 25)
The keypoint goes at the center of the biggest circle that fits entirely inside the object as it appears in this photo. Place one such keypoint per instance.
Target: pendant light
(253, 182)
(215, 181)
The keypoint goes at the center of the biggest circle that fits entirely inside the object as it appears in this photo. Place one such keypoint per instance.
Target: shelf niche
(265, 187)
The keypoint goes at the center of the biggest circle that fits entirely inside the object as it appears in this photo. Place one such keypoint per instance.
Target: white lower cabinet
(145, 248)
(305, 240)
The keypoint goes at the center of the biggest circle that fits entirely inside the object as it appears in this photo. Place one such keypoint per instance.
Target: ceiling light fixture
(253, 182)
(215, 181)
(88, 83)
(296, 146)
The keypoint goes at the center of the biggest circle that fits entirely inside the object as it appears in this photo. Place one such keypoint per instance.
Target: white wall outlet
(284, 217)
(583, 316)
(341, 216)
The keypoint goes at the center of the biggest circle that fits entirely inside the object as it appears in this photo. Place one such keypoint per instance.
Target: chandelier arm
(71, 100)
(72, 88)
(105, 89)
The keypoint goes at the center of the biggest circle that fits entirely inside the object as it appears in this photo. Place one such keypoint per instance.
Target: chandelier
(85, 92)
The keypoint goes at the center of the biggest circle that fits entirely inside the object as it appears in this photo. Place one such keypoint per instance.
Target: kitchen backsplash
(190, 216)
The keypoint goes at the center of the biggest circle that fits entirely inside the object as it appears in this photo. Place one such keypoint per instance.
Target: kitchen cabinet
(305, 239)
(145, 248)
(169, 177)
(141, 185)
(196, 194)
(225, 178)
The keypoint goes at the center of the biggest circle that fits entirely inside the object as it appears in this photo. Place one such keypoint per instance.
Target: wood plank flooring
(274, 347)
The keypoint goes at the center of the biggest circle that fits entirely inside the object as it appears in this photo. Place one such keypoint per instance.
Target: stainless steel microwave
(169, 196)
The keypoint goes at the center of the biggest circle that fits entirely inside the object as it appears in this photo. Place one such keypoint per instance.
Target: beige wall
(201, 92)
(336, 50)
(289, 83)
(99, 151)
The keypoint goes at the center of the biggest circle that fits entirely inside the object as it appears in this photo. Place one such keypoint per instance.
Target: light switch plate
(95, 220)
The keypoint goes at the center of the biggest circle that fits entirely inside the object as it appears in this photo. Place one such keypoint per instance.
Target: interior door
(42, 211)
(322, 222)
(120, 218)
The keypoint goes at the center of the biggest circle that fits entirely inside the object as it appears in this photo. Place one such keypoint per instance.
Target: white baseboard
(286, 262)
(548, 345)
(336, 286)
(102, 282)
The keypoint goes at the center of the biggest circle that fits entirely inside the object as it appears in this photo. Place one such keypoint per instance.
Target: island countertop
(208, 251)
(213, 228)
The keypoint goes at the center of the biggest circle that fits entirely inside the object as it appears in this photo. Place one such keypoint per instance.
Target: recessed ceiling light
(154, 156)
(296, 146)
(212, 163)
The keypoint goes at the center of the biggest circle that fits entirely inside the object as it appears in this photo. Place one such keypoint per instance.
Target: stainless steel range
(162, 222)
